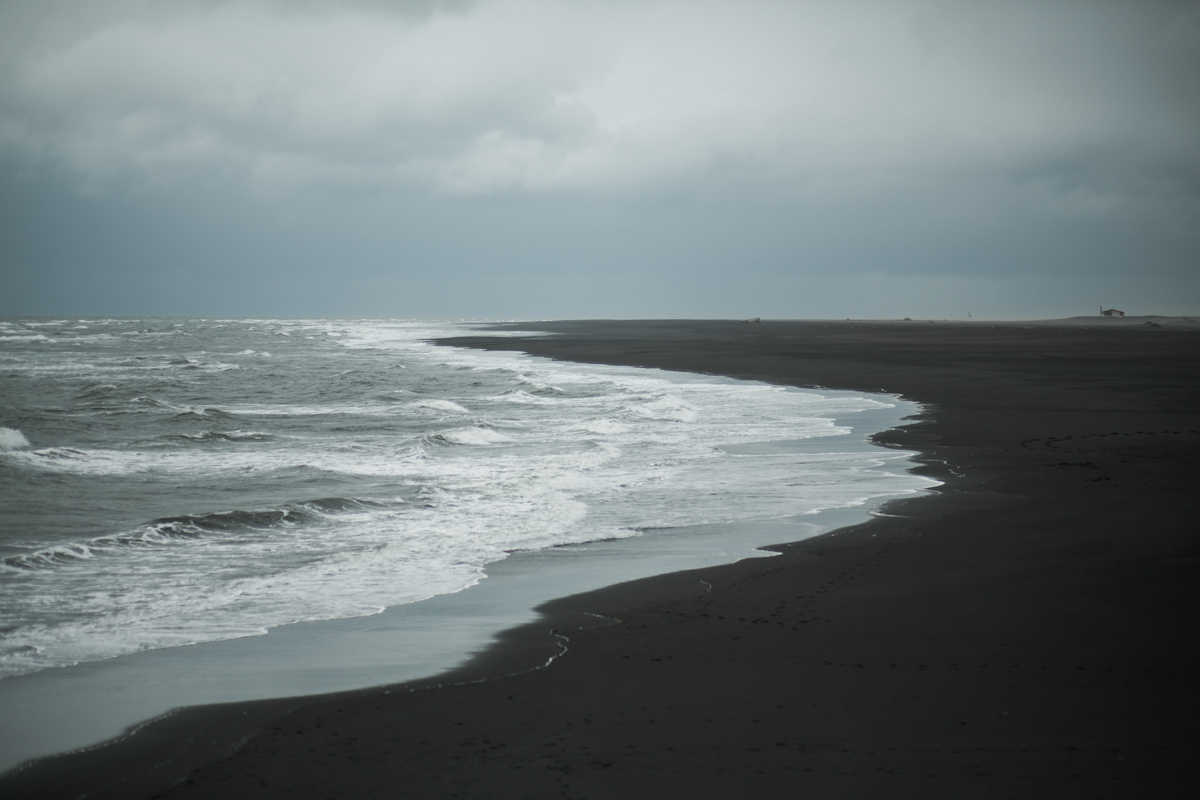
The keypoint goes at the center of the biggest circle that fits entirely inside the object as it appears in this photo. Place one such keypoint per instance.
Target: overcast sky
(600, 158)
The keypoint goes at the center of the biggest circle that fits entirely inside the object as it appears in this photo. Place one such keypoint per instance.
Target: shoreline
(1025, 632)
(90, 706)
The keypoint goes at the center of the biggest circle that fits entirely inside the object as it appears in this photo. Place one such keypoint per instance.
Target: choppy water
(171, 481)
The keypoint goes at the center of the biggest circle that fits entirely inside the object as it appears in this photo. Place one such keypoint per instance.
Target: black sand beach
(1028, 630)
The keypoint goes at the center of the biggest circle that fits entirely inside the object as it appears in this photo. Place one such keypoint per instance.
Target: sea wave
(440, 405)
(670, 409)
(519, 396)
(12, 439)
(466, 456)
(171, 530)
(219, 436)
(469, 436)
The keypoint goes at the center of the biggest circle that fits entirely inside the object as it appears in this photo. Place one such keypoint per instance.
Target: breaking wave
(12, 439)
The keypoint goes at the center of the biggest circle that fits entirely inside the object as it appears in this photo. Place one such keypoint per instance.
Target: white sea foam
(545, 387)
(473, 435)
(440, 405)
(666, 408)
(602, 427)
(518, 396)
(12, 439)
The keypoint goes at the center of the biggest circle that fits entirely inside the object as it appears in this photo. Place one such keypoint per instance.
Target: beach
(1024, 630)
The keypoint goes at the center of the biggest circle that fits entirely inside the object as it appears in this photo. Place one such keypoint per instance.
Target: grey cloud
(508, 157)
(521, 95)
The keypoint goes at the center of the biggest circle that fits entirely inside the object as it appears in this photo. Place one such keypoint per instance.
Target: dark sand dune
(1027, 631)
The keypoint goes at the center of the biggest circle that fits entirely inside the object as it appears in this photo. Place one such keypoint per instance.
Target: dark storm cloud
(926, 149)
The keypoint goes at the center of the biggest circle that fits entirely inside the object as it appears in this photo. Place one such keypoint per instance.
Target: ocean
(171, 482)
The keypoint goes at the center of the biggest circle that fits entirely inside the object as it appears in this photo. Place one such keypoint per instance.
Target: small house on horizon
(1112, 312)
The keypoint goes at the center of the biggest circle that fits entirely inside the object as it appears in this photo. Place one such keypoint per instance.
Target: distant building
(1112, 312)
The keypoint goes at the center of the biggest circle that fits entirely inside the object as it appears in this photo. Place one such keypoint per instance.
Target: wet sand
(1029, 630)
